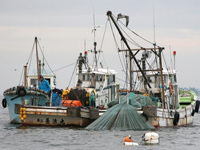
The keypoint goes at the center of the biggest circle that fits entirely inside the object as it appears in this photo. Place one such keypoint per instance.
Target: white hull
(166, 117)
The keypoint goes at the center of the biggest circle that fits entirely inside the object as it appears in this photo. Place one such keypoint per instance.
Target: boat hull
(31, 96)
(57, 116)
(159, 117)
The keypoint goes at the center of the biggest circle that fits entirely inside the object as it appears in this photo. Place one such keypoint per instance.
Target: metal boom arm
(109, 13)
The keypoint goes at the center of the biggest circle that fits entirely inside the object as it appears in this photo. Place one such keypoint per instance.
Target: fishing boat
(81, 104)
(150, 78)
(28, 92)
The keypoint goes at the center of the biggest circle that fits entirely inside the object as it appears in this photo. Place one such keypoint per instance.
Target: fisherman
(56, 96)
(92, 99)
(44, 85)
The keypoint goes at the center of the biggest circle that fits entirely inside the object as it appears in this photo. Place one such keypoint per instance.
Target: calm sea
(13, 137)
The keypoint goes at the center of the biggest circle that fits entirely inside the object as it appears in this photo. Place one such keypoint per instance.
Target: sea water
(14, 137)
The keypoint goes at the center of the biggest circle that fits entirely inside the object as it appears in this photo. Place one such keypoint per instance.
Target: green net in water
(121, 117)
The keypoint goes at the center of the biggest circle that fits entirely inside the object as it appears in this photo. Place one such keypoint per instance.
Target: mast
(109, 13)
(37, 60)
(161, 74)
(25, 75)
(131, 77)
(95, 43)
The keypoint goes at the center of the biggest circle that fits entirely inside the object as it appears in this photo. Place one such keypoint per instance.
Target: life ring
(176, 118)
(21, 91)
(4, 103)
(197, 106)
(171, 88)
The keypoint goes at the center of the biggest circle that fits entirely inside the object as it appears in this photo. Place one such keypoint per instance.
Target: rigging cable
(117, 47)
(134, 42)
(64, 67)
(102, 44)
(137, 34)
(72, 74)
(21, 77)
(164, 61)
(30, 58)
(45, 59)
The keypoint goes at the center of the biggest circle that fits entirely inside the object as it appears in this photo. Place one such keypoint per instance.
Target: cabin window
(113, 78)
(175, 78)
(151, 79)
(97, 78)
(88, 77)
(34, 81)
(100, 78)
(159, 80)
(49, 80)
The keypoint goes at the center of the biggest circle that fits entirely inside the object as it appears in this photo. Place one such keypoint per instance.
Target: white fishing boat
(150, 78)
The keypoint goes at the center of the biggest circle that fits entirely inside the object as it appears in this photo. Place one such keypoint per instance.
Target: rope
(125, 60)
(135, 43)
(30, 58)
(164, 60)
(136, 33)
(117, 47)
(45, 59)
(104, 34)
(72, 74)
(64, 67)
(21, 77)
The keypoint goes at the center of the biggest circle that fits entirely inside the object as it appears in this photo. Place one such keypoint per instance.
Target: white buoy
(128, 141)
(151, 138)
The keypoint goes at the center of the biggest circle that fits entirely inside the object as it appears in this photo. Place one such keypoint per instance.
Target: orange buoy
(71, 103)
(128, 139)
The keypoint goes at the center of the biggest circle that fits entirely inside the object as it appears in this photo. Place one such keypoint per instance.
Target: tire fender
(4, 103)
(197, 106)
(176, 118)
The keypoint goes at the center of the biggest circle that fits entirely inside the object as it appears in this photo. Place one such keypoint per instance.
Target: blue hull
(23, 96)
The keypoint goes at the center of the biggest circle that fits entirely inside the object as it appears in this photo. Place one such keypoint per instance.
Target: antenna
(95, 43)
(170, 56)
(94, 29)
(84, 45)
(154, 34)
(154, 26)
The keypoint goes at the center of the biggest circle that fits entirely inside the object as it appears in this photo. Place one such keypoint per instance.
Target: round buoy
(151, 138)
(128, 141)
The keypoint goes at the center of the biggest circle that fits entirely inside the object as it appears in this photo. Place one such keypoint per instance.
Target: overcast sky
(62, 26)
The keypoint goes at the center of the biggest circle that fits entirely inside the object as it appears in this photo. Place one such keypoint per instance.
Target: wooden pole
(37, 60)
(25, 74)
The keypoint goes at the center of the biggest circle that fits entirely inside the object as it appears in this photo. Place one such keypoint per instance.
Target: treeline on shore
(197, 91)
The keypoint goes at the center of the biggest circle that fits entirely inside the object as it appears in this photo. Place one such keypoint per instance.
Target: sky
(64, 29)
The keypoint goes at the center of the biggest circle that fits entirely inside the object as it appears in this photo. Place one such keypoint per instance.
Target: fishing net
(122, 117)
(135, 100)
